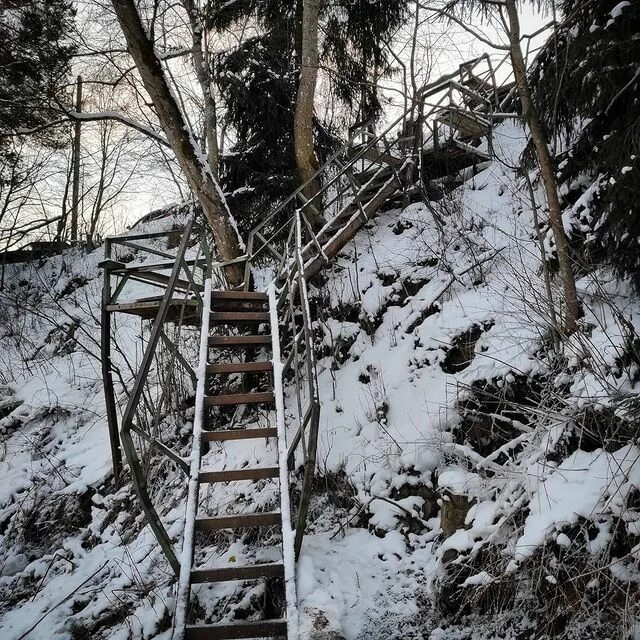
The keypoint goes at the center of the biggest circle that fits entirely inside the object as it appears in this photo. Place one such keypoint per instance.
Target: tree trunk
(201, 66)
(303, 118)
(541, 144)
(197, 171)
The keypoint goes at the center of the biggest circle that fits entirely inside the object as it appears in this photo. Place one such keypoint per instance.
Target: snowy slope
(425, 307)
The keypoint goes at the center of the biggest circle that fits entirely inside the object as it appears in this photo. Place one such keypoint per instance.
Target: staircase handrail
(137, 390)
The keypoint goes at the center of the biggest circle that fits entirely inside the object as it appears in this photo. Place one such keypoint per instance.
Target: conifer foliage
(35, 54)
(258, 82)
(587, 82)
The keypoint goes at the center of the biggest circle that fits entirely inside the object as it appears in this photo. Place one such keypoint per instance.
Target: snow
(584, 484)
(398, 304)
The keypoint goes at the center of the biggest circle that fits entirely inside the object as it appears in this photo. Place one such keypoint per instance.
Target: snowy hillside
(476, 479)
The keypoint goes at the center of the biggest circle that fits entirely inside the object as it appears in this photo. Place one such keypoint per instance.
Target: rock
(320, 628)
(453, 512)
(14, 564)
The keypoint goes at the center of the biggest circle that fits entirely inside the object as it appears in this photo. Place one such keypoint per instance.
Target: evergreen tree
(586, 84)
(258, 82)
(35, 54)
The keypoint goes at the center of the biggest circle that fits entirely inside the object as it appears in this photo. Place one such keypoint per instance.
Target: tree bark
(541, 144)
(303, 119)
(197, 171)
(201, 66)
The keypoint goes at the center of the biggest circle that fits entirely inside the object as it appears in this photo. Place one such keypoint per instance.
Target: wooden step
(257, 296)
(238, 342)
(239, 316)
(226, 574)
(234, 475)
(239, 367)
(239, 521)
(238, 630)
(239, 434)
(238, 398)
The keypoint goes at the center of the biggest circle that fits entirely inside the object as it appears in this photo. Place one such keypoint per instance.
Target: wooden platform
(147, 309)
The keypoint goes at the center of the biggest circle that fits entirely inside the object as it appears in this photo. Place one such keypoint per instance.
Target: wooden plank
(238, 630)
(241, 521)
(161, 279)
(152, 250)
(239, 295)
(149, 305)
(343, 235)
(239, 367)
(236, 475)
(239, 316)
(380, 157)
(153, 266)
(238, 398)
(110, 264)
(239, 434)
(107, 371)
(239, 341)
(146, 236)
(226, 574)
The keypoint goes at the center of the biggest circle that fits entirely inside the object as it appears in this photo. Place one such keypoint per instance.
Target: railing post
(107, 375)
(139, 479)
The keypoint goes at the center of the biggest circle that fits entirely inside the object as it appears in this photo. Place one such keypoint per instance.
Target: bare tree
(547, 172)
(505, 13)
(196, 168)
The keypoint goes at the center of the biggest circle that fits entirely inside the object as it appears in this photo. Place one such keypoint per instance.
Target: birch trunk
(196, 169)
(541, 144)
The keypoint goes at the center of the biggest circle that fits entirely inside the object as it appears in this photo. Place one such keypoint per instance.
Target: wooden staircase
(234, 343)
(435, 145)
(241, 367)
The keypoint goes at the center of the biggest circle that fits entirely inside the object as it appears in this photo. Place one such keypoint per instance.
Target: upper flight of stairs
(236, 342)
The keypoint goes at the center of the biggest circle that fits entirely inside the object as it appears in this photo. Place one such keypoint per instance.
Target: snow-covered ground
(422, 307)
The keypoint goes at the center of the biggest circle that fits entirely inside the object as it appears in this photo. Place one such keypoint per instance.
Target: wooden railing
(296, 346)
(150, 397)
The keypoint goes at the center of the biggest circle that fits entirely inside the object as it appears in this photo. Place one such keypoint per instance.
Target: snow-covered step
(239, 342)
(223, 317)
(239, 398)
(255, 296)
(234, 475)
(239, 434)
(239, 367)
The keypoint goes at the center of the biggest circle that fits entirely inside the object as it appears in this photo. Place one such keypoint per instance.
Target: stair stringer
(186, 557)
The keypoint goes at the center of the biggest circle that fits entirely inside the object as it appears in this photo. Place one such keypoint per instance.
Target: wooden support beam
(107, 371)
